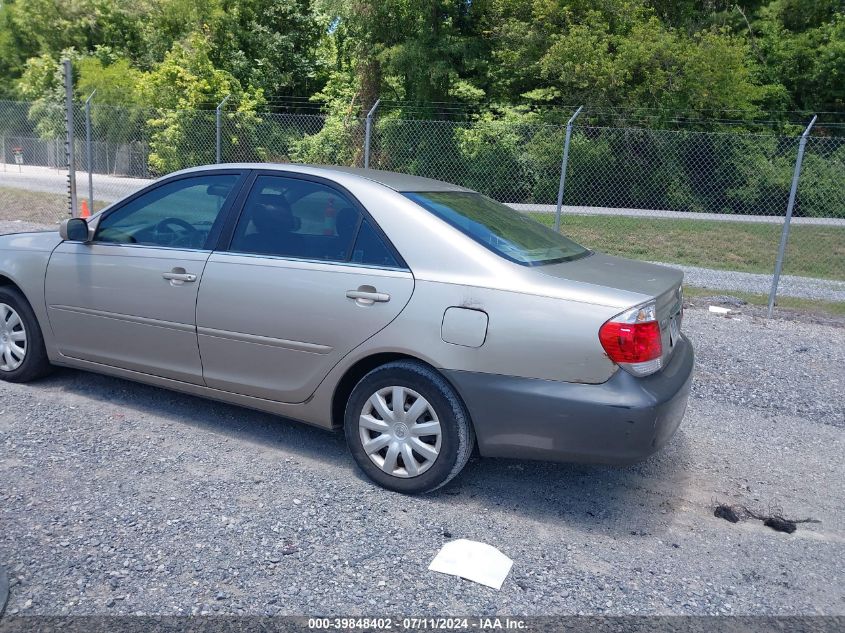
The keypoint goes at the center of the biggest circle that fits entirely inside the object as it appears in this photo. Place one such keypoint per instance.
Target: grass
(36, 206)
(813, 251)
(829, 308)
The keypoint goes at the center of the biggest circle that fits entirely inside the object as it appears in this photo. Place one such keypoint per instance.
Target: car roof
(399, 182)
(393, 180)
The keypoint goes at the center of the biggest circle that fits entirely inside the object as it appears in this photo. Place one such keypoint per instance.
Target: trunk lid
(647, 279)
(661, 283)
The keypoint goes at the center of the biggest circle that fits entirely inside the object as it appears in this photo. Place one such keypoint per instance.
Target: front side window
(504, 231)
(302, 219)
(179, 214)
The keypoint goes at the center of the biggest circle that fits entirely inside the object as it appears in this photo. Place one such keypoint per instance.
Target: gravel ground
(122, 499)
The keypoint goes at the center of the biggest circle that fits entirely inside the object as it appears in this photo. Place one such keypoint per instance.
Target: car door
(127, 298)
(305, 278)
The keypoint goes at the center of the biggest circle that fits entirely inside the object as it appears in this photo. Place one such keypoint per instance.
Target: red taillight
(631, 342)
(632, 339)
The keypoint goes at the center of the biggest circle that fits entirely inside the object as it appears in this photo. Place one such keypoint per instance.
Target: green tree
(184, 89)
(416, 50)
(164, 23)
(15, 49)
(42, 83)
(802, 46)
(116, 116)
(619, 53)
(272, 45)
(116, 81)
(665, 68)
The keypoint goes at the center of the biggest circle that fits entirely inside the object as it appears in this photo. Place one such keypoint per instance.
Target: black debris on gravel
(777, 521)
(780, 525)
(726, 512)
(774, 520)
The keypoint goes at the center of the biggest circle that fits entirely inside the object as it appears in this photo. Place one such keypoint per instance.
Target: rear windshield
(509, 233)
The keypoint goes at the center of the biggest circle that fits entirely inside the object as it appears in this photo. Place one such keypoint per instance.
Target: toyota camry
(422, 318)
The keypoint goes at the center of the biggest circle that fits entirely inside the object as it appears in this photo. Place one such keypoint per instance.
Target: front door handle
(179, 274)
(367, 295)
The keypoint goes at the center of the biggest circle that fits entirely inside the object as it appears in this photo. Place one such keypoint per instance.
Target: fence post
(89, 152)
(784, 236)
(4, 152)
(71, 150)
(368, 130)
(563, 164)
(218, 115)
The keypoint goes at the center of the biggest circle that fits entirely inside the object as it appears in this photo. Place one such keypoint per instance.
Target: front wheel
(22, 354)
(407, 428)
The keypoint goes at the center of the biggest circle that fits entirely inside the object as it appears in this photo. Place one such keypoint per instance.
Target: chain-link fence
(817, 241)
(714, 202)
(32, 145)
(510, 161)
(711, 200)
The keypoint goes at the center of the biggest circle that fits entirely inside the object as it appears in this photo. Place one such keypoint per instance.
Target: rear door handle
(179, 276)
(367, 297)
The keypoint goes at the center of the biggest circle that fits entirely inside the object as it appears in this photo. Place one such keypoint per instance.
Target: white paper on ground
(719, 310)
(474, 561)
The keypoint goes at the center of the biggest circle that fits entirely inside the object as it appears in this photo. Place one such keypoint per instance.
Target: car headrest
(271, 213)
(346, 221)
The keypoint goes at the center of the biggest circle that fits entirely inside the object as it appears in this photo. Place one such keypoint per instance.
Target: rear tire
(415, 448)
(22, 353)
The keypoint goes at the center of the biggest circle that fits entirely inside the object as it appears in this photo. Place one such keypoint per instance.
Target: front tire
(22, 354)
(407, 428)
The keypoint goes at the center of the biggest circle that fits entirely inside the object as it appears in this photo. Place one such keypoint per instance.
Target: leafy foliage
(170, 62)
(178, 88)
(673, 56)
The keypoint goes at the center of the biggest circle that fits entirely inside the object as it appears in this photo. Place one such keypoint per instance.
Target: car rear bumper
(621, 421)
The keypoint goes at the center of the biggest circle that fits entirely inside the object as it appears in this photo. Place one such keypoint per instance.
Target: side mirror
(74, 230)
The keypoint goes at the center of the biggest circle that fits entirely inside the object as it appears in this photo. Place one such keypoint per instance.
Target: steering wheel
(189, 233)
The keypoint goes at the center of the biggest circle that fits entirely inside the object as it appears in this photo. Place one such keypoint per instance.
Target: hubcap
(12, 339)
(400, 432)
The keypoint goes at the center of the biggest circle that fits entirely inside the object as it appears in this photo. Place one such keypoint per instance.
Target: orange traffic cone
(85, 212)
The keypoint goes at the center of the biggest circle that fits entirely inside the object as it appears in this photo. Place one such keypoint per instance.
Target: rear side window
(302, 219)
(290, 217)
(371, 249)
(504, 231)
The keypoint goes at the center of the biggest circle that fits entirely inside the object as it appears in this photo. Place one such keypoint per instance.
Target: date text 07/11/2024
(417, 624)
